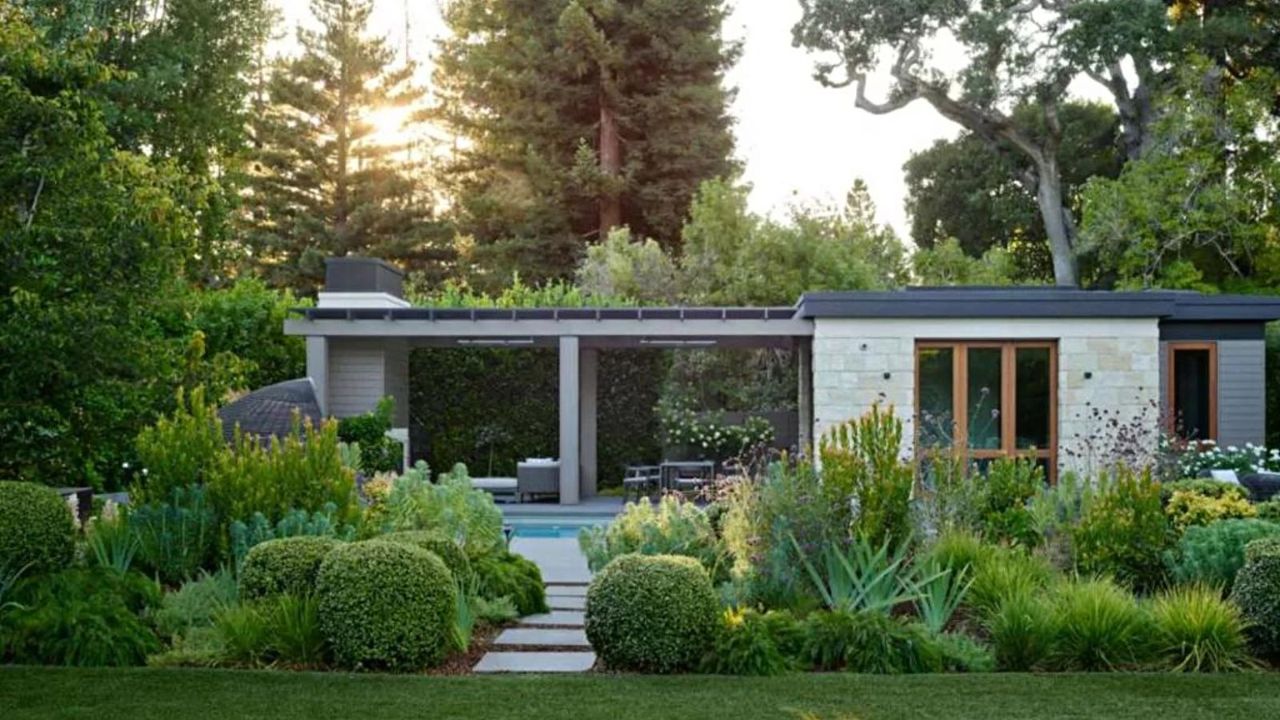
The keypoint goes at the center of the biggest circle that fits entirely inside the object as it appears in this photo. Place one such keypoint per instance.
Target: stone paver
(566, 602)
(571, 618)
(559, 559)
(536, 662)
(578, 590)
(542, 637)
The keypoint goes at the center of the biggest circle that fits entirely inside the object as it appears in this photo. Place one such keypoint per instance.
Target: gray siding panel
(356, 377)
(1242, 409)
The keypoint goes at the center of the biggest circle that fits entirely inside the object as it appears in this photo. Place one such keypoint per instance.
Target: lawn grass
(174, 694)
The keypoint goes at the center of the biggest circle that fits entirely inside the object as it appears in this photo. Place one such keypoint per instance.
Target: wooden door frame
(1171, 349)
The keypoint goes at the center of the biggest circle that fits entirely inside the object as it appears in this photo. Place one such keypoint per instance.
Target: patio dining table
(671, 470)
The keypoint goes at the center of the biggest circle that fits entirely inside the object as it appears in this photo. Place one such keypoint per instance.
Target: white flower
(1232, 448)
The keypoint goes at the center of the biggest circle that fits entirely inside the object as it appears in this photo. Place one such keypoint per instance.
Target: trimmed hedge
(444, 548)
(37, 531)
(1257, 593)
(651, 613)
(507, 574)
(385, 605)
(285, 566)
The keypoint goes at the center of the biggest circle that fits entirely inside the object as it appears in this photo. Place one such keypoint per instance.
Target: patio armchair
(537, 476)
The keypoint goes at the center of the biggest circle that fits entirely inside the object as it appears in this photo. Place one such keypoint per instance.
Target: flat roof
(767, 326)
(596, 326)
(1039, 302)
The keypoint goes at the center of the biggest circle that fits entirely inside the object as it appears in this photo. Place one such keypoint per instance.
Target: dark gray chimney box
(363, 274)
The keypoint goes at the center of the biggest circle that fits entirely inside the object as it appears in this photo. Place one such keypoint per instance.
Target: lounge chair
(537, 476)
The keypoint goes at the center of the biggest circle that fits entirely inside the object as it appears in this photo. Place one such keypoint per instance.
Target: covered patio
(361, 332)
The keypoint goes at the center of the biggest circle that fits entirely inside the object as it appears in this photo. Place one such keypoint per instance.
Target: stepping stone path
(551, 642)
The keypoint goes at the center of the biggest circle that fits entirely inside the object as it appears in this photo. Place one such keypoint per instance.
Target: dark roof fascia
(984, 303)
(548, 313)
(1174, 306)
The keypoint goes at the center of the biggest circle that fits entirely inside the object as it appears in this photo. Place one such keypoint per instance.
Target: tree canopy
(579, 115)
(323, 184)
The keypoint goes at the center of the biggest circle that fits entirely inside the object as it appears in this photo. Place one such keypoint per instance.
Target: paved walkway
(552, 642)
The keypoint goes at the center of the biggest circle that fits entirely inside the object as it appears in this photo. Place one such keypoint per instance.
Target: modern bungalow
(1071, 377)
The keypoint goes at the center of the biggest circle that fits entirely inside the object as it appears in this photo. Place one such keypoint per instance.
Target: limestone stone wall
(1108, 376)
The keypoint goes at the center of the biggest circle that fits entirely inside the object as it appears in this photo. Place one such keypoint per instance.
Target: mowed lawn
(139, 694)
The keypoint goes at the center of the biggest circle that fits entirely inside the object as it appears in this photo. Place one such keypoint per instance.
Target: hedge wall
(465, 401)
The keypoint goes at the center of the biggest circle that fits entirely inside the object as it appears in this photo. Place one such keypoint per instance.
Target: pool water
(551, 527)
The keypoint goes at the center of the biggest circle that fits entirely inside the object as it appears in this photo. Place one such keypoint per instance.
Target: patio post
(804, 394)
(569, 425)
(588, 367)
(318, 369)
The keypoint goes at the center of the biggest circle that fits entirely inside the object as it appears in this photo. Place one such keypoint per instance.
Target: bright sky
(798, 140)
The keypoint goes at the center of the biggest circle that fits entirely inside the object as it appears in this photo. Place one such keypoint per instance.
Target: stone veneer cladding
(852, 356)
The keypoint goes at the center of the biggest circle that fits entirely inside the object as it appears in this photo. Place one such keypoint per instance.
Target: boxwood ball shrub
(37, 531)
(286, 566)
(654, 613)
(447, 550)
(385, 605)
(1257, 594)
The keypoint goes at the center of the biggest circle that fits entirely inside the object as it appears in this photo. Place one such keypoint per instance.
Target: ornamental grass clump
(385, 605)
(37, 531)
(651, 613)
(869, 642)
(1099, 626)
(1006, 573)
(1197, 631)
(1022, 630)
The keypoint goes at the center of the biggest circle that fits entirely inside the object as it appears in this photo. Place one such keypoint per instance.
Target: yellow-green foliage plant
(179, 450)
(1197, 631)
(1123, 531)
(674, 527)
(303, 470)
(1187, 508)
(863, 469)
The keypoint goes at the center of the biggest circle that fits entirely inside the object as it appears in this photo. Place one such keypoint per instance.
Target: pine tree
(325, 184)
(577, 116)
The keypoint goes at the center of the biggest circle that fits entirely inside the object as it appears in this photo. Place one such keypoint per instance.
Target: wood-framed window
(989, 399)
(1192, 389)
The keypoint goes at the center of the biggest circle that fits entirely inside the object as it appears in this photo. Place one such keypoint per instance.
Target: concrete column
(588, 381)
(804, 394)
(569, 425)
(318, 369)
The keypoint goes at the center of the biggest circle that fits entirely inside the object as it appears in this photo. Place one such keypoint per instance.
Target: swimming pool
(551, 527)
